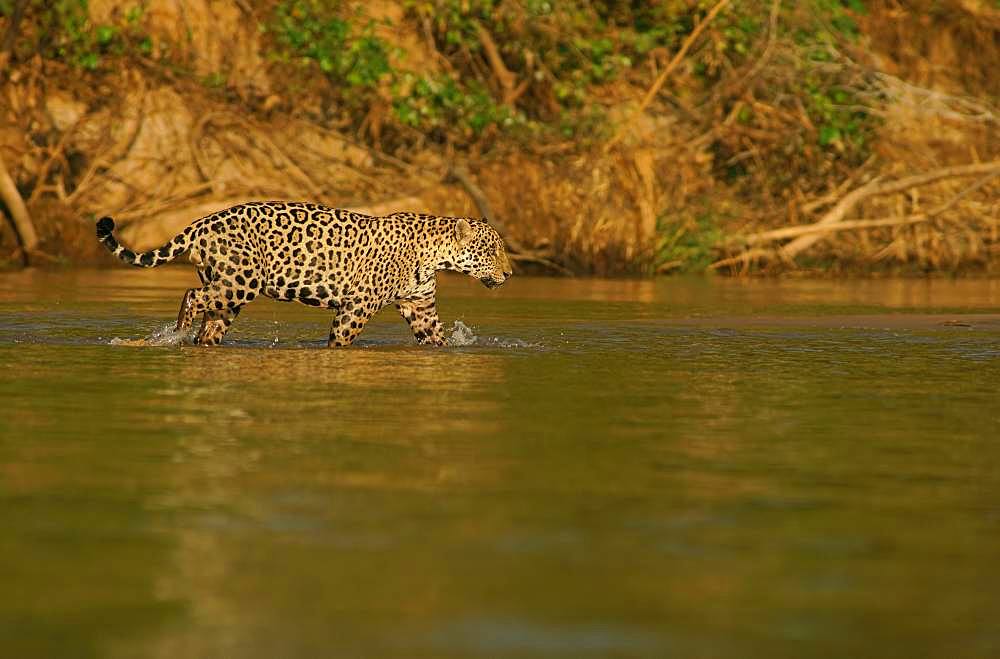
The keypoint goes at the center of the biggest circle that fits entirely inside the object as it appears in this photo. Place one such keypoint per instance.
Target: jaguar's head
(479, 252)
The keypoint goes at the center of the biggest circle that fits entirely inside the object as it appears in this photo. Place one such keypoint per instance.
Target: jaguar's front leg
(351, 319)
(422, 316)
(215, 325)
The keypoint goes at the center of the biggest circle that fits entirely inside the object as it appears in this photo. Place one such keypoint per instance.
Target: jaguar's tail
(154, 257)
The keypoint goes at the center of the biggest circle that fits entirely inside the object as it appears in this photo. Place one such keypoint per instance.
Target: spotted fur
(352, 263)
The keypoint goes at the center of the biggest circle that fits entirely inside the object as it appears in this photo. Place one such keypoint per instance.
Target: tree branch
(875, 189)
(23, 226)
(846, 225)
(651, 93)
(832, 221)
(507, 79)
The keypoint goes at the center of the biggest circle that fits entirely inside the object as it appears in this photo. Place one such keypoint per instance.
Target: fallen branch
(23, 226)
(834, 195)
(846, 225)
(744, 258)
(833, 221)
(532, 258)
(662, 78)
(876, 189)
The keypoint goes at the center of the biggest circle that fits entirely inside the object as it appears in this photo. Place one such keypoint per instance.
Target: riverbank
(731, 137)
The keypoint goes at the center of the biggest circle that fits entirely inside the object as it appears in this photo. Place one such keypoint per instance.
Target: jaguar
(349, 262)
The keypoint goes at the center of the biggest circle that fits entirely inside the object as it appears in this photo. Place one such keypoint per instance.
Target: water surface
(684, 468)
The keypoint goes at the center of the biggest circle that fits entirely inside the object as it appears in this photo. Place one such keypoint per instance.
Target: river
(678, 467)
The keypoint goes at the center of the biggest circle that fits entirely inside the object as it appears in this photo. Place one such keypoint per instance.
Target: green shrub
(64, 32)
(314, 31)
(435, 103)
(687, 243)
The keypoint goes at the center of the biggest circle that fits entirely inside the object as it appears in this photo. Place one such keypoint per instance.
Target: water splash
(164, 336)
(461, 335)
(274, 341)
(497, 342)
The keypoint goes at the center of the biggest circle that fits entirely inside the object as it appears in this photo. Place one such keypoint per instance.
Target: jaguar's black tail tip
(105, 226)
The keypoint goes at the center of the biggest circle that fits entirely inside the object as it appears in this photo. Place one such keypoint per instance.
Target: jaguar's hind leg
(351, 319)
(215, 325)
(185, 317)
(218, 304)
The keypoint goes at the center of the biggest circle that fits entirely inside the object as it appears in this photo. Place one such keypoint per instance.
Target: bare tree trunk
(19, 214)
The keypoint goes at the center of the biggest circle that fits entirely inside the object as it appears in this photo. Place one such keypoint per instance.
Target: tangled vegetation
(770, 105)
(535, 68)
(541, 69)
(62, 30)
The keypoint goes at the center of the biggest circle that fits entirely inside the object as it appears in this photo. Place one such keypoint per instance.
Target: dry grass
(941, 115)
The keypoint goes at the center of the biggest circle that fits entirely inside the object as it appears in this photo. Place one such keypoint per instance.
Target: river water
(683, 468)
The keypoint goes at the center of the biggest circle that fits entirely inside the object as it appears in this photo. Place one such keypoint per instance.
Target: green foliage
(357, 62)
(686, 244)
(833, 107)
(63, 31)
(563, 55)
(216, 80)
(838, 123)
(437, 102)
(314, 32)
(455, 21)
(808, 92)
(558, 51)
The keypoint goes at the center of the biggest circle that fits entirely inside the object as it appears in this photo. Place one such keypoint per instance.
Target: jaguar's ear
(463, 232)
